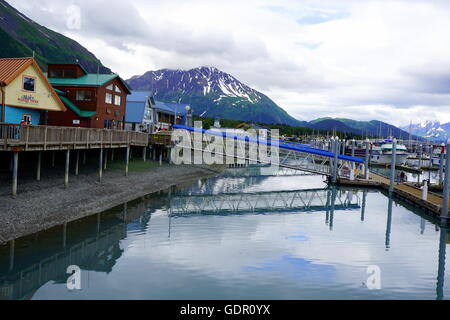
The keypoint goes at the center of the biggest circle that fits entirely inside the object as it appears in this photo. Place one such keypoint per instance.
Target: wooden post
(64, 235)
(366, 160)
(106, 159)
(100, 166)
(12, 245)
(84, 157)
(127, 161)
(144, 154)
(444, 206)
(393, 162)
(112, 154)
(15, 173)
(441, 164)
(77, 162)
(66, 173)
(38, 171)
(160, 156)
(53, 159)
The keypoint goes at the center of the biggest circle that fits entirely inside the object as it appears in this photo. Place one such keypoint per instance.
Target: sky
(387, 60)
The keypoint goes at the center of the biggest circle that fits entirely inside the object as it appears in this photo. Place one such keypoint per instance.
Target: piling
(66, 172)
(127, 160)
(444, 212)
(441, 164)
(77, 163)
(15, 168)
(38, 171)
(393, 162)
(100, 166)
(366, 160)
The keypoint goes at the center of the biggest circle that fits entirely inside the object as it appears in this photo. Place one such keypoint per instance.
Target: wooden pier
(17, 139)
(406, 191)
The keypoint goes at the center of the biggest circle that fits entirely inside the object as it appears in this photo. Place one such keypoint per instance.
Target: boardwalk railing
(29, 138)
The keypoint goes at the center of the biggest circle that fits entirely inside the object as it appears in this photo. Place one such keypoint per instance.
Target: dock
(27, 140)
(406, 191)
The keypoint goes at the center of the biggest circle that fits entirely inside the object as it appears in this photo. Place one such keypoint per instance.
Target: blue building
(143, 113)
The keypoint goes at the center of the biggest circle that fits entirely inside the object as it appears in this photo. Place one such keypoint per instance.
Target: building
(26, 95)
(143, 113)
(93, 100)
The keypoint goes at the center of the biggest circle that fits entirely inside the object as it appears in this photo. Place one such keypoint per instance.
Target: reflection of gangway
(301, 201)
(292, 156)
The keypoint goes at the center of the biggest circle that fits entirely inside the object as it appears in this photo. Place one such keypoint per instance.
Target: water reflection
(259, 239)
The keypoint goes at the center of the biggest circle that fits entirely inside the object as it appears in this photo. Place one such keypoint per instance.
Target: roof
(139, 96)
(135, 111)
(172, 108)
(89, 80)
(11, 68)
(69, 104)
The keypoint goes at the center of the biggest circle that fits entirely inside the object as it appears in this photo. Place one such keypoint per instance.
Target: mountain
(212, 93)
(432, 130)
(369, 128)
(20, 36)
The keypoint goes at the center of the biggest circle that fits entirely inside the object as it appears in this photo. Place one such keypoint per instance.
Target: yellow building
(25, 93)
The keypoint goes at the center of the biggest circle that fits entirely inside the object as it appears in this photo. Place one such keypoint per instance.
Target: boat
(383, 154)
(436, 156)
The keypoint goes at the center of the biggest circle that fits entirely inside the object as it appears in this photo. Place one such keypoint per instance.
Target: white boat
(436, 156)
(383, 154)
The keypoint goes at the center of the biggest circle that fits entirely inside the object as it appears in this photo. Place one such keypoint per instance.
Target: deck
(45, 138)
(406, 191)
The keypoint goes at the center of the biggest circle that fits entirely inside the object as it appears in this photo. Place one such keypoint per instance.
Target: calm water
(237, 237)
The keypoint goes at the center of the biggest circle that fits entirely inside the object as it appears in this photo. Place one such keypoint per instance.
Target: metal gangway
(235, 147)
(310, 200)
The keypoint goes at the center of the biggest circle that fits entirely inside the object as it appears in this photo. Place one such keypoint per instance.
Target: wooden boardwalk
(18, 138)
(408, 192)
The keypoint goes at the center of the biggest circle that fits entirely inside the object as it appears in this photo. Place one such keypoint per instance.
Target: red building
(92, 100)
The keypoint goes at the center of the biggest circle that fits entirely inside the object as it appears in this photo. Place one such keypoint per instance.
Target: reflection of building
(146, 114)
(93, 100)
(25, 94)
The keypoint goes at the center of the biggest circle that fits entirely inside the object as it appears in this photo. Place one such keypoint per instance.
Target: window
(110, 87)
(29, 83)
(85, 95)
(62, 73)
(108, 98)
(117, 100)
(117, 89)
(56, 73)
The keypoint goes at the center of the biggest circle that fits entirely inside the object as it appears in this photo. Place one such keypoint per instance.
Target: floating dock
(406, 191)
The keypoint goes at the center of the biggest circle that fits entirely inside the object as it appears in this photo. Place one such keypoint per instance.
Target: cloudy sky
(386, 59)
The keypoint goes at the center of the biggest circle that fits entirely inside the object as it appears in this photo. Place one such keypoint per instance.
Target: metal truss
(229, 150)
(286, 201)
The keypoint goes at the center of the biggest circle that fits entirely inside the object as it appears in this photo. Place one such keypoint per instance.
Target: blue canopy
(269, 143)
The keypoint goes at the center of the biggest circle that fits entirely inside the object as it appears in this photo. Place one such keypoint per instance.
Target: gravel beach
(45, 204)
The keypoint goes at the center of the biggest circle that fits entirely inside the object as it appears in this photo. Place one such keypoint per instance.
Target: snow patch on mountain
(432, 130)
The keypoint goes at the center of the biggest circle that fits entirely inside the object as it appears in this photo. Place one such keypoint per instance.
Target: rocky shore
(45, 204)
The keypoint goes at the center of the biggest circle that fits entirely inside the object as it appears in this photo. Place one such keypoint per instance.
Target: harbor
(278, 232)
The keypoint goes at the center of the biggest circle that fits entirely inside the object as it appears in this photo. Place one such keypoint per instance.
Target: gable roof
(135, 111)
(89, 80)
(139, 96)
(11, 68)
(171, 108)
